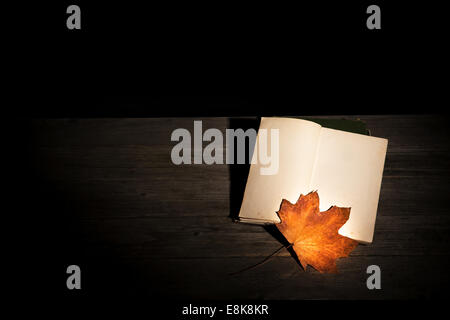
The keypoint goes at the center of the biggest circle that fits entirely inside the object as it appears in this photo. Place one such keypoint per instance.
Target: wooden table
(139, 225)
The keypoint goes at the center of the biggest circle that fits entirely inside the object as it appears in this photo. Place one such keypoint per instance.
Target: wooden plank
(113, 180)
(214, 237)
(280, 278)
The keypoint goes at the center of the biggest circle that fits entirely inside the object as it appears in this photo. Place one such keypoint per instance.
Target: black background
(221, 59)
(247, 57)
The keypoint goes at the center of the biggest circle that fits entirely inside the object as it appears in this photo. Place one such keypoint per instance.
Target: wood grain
(165, 230)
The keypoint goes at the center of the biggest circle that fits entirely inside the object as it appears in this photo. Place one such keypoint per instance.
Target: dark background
(259, 55)
(203, 60)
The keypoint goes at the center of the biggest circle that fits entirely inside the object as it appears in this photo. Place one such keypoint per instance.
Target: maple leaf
(313, 234)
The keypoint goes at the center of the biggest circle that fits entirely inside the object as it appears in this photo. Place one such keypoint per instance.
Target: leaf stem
(261, 262)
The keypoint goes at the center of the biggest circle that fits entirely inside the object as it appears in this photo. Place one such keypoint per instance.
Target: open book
(345, 168)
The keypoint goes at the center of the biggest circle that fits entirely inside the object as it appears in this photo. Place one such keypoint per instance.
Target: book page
(297, 147)
(348, 173)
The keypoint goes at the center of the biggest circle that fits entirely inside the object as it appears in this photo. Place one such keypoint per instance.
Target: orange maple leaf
(314, 234)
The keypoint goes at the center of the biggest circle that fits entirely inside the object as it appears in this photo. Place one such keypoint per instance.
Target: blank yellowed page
(297, 147)
(348, 173)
